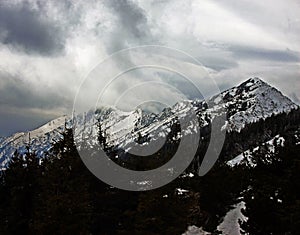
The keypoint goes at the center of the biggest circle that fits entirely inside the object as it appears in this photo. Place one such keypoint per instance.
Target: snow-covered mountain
(40, 140)
(249, 102)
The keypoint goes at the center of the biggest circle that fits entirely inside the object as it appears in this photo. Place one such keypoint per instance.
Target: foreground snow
(230, 224)
(194, 230)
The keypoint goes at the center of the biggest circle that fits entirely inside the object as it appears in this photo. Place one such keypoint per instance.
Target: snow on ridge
(246, 156)
(121, 123)
(249, 102)
(39, 139)
(48, 127)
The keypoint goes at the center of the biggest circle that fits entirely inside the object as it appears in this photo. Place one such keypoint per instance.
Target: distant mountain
(251, 101)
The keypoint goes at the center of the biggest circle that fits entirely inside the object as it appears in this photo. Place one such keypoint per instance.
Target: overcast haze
(48, 47)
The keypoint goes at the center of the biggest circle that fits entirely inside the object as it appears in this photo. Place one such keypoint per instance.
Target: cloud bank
(48, 47)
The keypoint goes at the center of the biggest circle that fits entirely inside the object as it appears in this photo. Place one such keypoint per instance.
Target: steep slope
(39, 139)
(251, 101)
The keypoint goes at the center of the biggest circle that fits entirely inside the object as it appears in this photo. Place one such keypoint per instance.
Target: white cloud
(234, 39)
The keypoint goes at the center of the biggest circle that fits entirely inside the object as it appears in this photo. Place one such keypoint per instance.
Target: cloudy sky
(48, 47)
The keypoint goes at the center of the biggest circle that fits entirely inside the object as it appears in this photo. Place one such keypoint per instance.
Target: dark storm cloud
(24, 106)
(12, 123)
(132, 17)
(25, 28)
(20, 93)
(133, 25)
(241, 52)
(132, 29)
(72, 36)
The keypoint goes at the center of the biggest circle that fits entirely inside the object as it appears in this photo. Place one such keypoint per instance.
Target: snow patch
(194, 230)
(230, 224)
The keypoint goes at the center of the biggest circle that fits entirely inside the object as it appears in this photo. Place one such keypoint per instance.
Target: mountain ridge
(246, 103)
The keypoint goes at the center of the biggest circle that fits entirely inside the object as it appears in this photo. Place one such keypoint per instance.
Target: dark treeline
(59, 195)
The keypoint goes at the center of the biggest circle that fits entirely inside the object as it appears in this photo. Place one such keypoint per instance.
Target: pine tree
(19, 188)
(63, 206)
